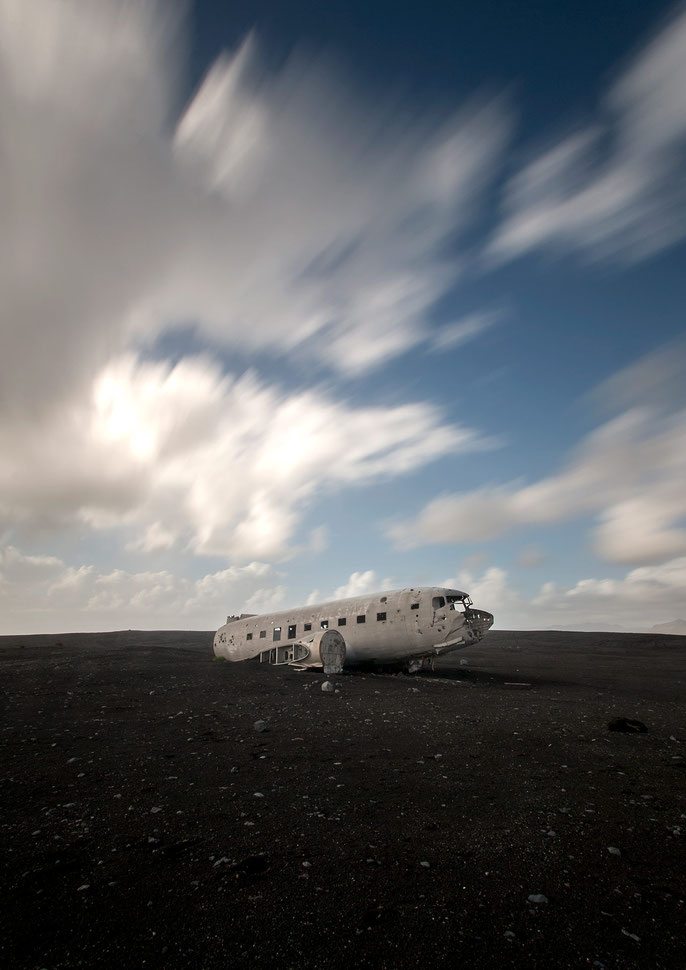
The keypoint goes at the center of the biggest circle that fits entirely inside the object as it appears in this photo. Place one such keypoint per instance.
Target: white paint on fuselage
(398, 626)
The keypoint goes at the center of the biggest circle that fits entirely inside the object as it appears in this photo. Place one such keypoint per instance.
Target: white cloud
(636, 602)
(266, 600)
(628, 474)
(185, 455)
(457, 333)
(357, 585)
(43, 594)
(285, 212)
(616, 189)
(644, 597)
(531, 556)
(490, 592)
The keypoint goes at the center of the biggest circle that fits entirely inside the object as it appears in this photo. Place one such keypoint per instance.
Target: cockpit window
(438, 602)
(459, 603)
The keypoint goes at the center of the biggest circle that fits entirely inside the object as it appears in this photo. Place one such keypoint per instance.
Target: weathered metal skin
(403, 626)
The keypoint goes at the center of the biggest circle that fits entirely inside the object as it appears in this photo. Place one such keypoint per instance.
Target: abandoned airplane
(406, 627)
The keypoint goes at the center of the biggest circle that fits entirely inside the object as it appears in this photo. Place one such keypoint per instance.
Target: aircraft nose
(479, 622)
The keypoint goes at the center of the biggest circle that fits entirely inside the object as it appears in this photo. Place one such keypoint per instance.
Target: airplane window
(263, 634)
(437, 602)
(325, 624)
(308, 626)
(277, 633)
(362, 619)
(415, 606)
(380, 616)
(291, 632)
(341, 621)
(249, 636)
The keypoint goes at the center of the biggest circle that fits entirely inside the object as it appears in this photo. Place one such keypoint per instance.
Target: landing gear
(417, 664)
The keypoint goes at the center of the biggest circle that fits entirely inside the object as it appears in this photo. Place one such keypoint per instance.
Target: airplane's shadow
(469, 676)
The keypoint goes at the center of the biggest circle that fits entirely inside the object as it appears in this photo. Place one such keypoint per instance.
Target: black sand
(402, 822)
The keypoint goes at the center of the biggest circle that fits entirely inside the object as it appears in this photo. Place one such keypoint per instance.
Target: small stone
(307, 865)
(258, 794)
(613, 850)
(328, 687)
(427, 865)
(260, 726)
(509, 934)
(537, 898)
(86, 885)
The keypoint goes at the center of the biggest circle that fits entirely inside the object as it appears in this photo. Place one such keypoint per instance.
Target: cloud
(43, 594)
(357, 585)
(467, 328)
(635, 602)
(644, 597)
(616, 189)
(531, 556)
(279, 211)
(187, 456)
(266, 600)
(629, 474)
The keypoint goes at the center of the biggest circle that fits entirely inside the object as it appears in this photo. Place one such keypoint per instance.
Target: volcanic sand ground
(401, 822)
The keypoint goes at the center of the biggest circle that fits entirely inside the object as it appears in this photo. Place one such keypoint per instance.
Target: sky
(306, 300)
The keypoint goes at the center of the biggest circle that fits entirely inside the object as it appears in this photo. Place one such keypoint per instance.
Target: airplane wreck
(407, 627)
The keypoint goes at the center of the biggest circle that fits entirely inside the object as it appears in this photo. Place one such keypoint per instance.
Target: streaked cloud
(530, 556)
(615, 189)
(281, 211)
(358, 584)
(465, 329)
(628, 475)
(187, 456)
(637, 601)
(39, 593)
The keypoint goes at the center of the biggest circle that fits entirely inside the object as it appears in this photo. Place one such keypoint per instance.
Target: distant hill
(676, 627)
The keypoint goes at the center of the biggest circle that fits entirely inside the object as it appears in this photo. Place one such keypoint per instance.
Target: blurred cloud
(42, 593)
(357, 585)
(635, 602)
(530, 556)
(629, 473)
(616, 189)
(187, 456)
(468, 328)
(281, 211)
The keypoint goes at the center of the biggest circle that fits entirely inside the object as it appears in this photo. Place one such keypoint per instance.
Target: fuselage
(394, 626)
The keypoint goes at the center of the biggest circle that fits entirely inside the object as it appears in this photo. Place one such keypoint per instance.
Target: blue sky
(301, 300)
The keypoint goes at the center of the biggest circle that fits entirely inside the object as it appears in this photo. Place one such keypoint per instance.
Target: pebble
(613, 850)
(328, 687)
(537, 898)
(260, 726)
